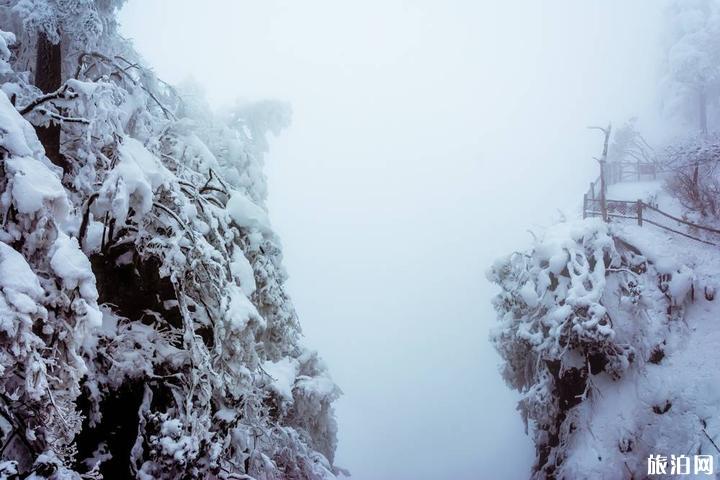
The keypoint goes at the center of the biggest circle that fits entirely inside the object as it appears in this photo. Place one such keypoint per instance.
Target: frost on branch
(582, 308)
(145, 331)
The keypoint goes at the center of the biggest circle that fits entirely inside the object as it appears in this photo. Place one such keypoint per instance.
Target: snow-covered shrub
(695, 178)
(582, 307)
(142, 305)
(628, 145)
(690, 68)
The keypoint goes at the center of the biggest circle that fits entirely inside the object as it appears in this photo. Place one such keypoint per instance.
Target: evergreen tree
(692, 62)
(145, 331)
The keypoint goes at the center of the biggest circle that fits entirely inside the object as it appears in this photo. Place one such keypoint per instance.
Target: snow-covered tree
(692, 62)
(145, 331)
(581, 314)
(628, 145)
(694, 164)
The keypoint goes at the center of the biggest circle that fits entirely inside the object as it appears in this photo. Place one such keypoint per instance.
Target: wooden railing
(616, 172)
(643, 213)
(639, 211)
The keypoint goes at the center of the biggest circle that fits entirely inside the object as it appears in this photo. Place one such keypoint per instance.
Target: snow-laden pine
(144, 328)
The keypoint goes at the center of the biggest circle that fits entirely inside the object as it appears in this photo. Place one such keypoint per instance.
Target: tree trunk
(603, 180)
(702, 110)
(48, 78)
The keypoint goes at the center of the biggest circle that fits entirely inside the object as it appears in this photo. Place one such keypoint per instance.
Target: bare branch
(60, 93)
(61, 118)
(123, 72)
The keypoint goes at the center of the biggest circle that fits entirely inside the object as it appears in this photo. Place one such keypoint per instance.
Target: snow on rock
(245, 213)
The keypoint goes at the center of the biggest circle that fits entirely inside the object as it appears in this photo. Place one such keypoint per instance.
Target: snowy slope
(611, 334)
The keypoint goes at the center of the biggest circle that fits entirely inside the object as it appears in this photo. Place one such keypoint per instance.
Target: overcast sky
(428, 137)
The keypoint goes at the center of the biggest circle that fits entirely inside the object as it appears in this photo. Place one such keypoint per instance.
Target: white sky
(428, 136)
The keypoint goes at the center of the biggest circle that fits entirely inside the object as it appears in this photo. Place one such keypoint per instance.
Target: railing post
(603, 180)
(585, 198)
(603, 188)
(640, 212)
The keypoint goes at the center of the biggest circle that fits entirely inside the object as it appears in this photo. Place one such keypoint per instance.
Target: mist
(427, 138)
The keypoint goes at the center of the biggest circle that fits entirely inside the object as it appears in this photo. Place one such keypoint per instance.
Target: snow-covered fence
(645, 213)
(631, 210)
(630, 171)
(595, 204)
(694, 227)
(616, 172)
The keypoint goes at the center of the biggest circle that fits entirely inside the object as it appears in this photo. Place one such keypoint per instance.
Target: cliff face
(610, 333)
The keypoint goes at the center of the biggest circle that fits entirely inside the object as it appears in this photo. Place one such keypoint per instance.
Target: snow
(8, 470)
(211, 306)
(134, 180)
(634, 190)
(176, 448)
(21, 302)
(16, 274)
(320, 386)
(86, 88)
(70, 263)
(17, 136)
(685, 381)
(93, 236)
(245, 213)
(127, 187)
(527, 293)
(171, 427)
(680, 284)
(283, 374)
(240, 311)
(628, 306)
(6, 38)
(36, 187)
(73, 267)
(241, 268)
(152, 169)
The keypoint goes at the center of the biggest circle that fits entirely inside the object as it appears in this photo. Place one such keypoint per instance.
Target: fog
(428, 137)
